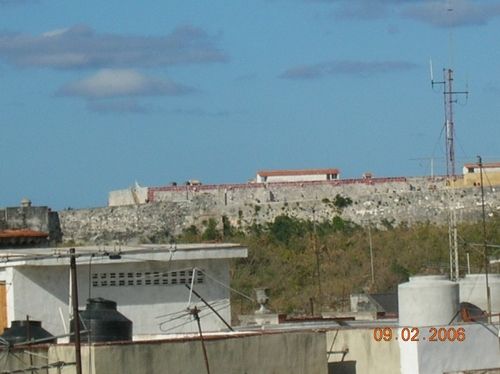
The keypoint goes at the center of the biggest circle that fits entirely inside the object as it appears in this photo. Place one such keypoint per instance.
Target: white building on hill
(148, 283)
(308, 175)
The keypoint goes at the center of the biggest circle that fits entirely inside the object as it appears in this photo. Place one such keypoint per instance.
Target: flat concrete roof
(56, 256)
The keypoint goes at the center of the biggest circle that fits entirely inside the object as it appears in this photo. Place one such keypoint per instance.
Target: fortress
(149, 214)
(158, 214)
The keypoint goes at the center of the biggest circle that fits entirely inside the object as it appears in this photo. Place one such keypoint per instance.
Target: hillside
(282, 256)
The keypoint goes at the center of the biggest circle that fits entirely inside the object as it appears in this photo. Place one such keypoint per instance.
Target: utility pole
(371, 254)
(485, 251)
(76, 316)
(318, 263)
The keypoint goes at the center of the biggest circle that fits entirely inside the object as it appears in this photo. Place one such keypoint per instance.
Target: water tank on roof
(104, 322)
(473, 290)
(427, 301)
(26, 331)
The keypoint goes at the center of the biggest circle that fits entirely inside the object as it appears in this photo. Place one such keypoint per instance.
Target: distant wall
(139, 223)
(379, 202)
(38, 218)
(128, 196)
(34, 218)
(490, 177)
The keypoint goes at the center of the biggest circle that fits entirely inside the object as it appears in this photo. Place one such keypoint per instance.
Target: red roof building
(23, 238)
(304, 175)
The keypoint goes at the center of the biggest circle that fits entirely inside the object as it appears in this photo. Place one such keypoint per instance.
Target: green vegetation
(282, 256)
(342, 202)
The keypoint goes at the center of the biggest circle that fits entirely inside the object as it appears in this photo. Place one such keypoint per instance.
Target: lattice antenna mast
(449, 97)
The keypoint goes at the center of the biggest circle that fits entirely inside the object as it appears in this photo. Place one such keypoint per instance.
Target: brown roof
(269, 173)
(485, 165)
(22, 233)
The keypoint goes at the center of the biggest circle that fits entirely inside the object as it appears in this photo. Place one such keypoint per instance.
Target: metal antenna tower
(449, 99)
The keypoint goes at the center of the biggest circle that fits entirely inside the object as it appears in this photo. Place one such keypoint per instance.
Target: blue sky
(96, 95)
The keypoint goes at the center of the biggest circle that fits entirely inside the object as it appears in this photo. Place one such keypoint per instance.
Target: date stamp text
(416, 334)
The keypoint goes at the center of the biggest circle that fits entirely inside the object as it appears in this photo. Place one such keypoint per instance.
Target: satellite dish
(472, 313)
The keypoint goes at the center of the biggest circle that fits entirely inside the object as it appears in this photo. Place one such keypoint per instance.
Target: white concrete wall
(477, 170)
(370, 356)
(296, 178)
(41, 291)
(479, 350)
(126, 196)
(473, 290)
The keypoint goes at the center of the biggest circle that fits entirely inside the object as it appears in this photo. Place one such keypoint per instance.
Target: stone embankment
(377, 202)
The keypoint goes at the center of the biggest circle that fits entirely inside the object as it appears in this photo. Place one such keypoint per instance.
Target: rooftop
(54, 256)
(486, 165)
(269, 173)
(22, 233)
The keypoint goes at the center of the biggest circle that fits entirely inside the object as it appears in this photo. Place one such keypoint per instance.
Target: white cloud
(121, 83)
(81, 47)
(438, 13)
(340, 67)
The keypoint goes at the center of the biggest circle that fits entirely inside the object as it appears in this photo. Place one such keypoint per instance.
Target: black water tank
(27, 330)
(105, 323)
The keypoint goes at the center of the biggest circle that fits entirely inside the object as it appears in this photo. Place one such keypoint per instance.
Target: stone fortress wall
(166, 211)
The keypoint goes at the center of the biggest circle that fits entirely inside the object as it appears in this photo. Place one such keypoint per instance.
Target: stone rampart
(172, 209)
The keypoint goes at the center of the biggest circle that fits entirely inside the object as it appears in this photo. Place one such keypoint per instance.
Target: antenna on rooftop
(432, 72)
(449, 96)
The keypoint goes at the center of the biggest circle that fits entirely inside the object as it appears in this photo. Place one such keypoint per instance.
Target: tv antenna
(449, 96)
(449, 99)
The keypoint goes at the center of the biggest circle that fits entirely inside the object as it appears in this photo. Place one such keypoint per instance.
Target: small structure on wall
(133, 195)
(28, 226)
(491, 174)
(306, 175)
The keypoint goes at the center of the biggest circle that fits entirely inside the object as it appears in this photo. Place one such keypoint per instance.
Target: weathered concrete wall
(392, 202)
(284, 353)
(362, 352)
(34, 218)
(21, 358)
(131, 195)
(38, 218)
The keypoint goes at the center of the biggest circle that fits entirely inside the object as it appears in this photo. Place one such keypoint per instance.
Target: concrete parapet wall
(356, 348)
(283, 353)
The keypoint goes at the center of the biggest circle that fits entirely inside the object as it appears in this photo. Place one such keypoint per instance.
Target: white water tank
(473, 290)
(428, 300)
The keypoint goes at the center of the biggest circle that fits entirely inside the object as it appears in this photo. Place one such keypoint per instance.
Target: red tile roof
(269, 173)
(22, 233)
